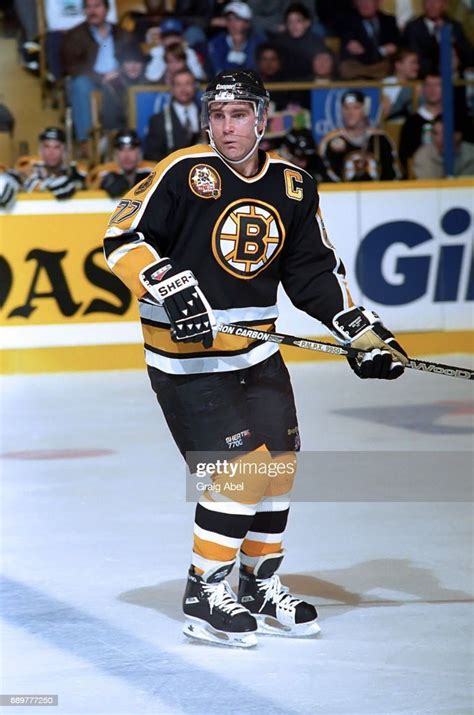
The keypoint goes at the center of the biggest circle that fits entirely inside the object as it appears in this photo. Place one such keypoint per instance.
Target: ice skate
(277, 611)
(213, 613)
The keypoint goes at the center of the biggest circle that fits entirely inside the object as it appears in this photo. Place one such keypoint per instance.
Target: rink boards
(407, 247)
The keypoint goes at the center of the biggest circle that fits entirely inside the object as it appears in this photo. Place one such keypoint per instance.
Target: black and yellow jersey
(372, 157)
(241, 237)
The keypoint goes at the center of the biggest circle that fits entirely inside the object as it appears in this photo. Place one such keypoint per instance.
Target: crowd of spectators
(103, 51)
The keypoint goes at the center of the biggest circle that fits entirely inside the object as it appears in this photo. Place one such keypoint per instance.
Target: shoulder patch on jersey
(145, 184)
(205, 181)
(247, 237)
(338, 144)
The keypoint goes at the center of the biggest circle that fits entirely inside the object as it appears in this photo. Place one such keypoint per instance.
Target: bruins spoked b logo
(247, 236)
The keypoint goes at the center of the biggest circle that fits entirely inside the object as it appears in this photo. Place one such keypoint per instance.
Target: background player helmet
(300, 143)
(126, 137)
(53, 133)
(236, 86)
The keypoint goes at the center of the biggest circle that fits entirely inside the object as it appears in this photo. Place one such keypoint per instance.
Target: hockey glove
(115, 184)
(63, 187)
(364, 330)
(189, 313)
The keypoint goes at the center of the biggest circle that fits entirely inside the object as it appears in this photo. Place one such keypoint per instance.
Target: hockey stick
(244, 331)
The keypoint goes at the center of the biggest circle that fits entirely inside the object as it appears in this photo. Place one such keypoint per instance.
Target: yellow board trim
(362, 186)
(130, 356)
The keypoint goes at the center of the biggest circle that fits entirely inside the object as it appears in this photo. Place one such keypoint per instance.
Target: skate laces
(221, 596)
(275, 592)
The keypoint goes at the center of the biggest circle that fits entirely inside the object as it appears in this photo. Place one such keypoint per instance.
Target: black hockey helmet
(54, 134)
(126, 137)
(300, 143)
(235, 86)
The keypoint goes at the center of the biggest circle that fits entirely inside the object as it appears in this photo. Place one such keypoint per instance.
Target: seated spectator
(369, 38)
(127, 169)
(423, 36)
(131, 72)
(270, 69)
(171, 34)
(175, 61)
(298, 43)
(358, 152)
(61, 16)
(90, 56)
(324, 66)
(428, 158)
(52, 171)
(416, 129)
(269, 16)
(397, 100)
(193, 15)
(299, 147)
(236, 47)
(178, 124)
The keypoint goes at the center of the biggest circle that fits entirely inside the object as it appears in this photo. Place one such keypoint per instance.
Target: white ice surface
(94, 553)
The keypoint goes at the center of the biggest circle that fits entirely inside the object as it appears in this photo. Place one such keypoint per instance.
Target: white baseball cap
(240, 9)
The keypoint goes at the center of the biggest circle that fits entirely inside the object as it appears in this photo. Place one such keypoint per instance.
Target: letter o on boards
(413, 269)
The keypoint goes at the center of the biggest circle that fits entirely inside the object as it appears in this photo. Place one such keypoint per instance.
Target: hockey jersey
(111, 178)
(241, 237)
(35, 175)
(372, 158)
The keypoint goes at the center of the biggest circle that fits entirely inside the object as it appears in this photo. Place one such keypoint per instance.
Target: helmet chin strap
(235, 162)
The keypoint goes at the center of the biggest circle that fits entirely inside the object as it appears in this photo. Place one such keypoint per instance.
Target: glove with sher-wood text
(189, 313)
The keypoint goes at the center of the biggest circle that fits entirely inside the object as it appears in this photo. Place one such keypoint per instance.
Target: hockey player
(52, 171)
(127, 169)
(358, 152)
(208, 237)
(300, 148)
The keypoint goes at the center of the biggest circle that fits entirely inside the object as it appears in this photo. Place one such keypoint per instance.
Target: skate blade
(202, 631)
(270, 626)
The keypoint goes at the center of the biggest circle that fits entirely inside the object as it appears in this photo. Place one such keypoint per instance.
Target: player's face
(233, 128)
(95, 11)
(353, 115)
(52, 153)
(128, 157)
(183, 88)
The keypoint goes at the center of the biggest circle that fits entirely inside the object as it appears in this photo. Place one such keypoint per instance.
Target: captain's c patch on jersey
(204, 181)
(247, 236)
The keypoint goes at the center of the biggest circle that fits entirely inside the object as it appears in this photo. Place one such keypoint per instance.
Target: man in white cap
(235, 48)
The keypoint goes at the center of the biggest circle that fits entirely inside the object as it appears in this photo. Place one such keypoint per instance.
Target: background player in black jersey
(127, 169)
(357, 151)
(209, 237)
